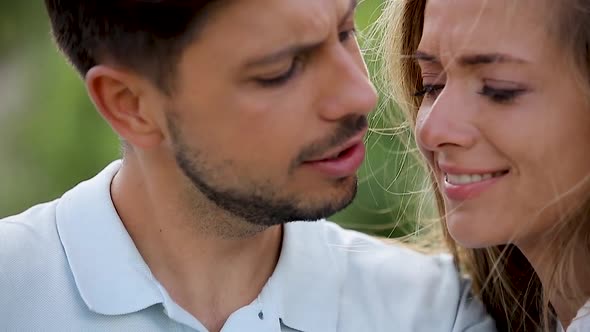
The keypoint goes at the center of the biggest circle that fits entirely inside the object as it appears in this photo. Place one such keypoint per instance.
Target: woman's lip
(453, 169)
(462, 192)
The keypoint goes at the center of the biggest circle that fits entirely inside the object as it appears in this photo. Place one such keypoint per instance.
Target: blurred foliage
(51, 138)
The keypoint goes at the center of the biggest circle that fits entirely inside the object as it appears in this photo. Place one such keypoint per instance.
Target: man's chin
(332, 202)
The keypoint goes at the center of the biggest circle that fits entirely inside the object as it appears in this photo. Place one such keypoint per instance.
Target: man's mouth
(340, 151)
(342, 161)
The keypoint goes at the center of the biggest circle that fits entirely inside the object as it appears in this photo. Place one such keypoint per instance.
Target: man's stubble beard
(261, 204)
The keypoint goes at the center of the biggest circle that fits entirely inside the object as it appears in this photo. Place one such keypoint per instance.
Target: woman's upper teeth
(459, 179)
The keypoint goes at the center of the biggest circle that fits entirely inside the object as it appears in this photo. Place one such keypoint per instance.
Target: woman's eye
(284, 77)
(430, 91)
(501, 95)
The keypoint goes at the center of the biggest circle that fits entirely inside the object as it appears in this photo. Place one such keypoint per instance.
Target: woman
(499, 96)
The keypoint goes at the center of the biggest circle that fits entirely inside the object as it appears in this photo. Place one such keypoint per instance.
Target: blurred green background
(51, 138)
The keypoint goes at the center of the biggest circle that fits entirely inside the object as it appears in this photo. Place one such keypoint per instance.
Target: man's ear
(117, 96)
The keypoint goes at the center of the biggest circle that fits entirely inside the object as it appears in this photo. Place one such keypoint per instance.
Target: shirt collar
(113, 278)
(308, 278)
(581, 322)
(110, 274)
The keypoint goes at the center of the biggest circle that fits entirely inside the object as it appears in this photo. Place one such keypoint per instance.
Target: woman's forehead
(457, 27)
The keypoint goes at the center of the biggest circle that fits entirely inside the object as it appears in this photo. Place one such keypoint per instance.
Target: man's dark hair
(145, 36)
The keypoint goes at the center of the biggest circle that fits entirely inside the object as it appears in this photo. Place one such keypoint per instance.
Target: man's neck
(210, 263)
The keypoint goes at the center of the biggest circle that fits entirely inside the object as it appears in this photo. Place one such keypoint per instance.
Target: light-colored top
(70, 265)
(582, 321)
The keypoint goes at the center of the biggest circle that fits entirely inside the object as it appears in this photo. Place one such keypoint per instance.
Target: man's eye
(346, 35)
(284, 77)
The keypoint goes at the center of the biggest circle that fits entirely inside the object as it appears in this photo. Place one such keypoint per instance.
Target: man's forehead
(246, 30)
(278, 15)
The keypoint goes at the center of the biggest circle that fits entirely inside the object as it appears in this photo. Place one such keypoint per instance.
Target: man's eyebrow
(349, 12)
(470, 60)
(292, 50)
(286, 52)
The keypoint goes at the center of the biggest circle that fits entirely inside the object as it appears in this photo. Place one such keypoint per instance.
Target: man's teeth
(462, 179)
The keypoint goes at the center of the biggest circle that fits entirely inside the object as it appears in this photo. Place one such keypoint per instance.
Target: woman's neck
(564, 272)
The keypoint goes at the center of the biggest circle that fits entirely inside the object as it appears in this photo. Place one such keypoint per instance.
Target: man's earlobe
(116, 95)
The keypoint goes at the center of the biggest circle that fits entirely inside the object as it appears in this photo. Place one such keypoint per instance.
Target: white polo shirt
(580, 323)
(70, 265)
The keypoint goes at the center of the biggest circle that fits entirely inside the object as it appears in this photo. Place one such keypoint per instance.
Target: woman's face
(504, 122)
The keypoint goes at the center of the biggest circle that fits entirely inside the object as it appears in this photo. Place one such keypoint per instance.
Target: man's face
(270, 107)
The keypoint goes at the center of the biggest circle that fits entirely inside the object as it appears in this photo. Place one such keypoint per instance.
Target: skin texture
(216, 166)
(500, 97)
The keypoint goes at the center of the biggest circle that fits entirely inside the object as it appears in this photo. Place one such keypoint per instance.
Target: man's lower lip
(465, 192)
(342, 166)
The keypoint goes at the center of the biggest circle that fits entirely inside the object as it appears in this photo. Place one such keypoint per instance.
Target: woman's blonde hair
(502, 276)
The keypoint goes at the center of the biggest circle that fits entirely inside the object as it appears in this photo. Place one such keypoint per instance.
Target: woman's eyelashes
(430, 91)
(495, 94)
(501, 95)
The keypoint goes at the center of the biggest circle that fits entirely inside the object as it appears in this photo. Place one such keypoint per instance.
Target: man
(238, 117)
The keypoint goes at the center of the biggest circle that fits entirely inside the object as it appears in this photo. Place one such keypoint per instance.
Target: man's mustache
(348, 128)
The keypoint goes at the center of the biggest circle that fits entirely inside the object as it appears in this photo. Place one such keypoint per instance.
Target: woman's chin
(473, 235)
